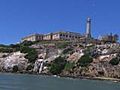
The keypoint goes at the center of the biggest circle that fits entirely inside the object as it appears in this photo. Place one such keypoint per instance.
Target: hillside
(62, 58)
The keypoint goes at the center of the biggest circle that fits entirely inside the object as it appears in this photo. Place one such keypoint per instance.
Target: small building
(33, 37)
(109, 38)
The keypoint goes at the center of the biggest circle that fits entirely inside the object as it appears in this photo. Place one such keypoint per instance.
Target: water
(33, 82)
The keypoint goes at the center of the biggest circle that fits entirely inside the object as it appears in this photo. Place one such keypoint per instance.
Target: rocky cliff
(71, 59)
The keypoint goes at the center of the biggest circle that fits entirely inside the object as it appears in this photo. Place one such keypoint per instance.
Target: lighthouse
(88, 28)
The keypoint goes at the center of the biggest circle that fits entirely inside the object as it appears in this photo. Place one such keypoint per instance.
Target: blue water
(34, 82)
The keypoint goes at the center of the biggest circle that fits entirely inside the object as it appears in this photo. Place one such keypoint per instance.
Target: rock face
(38, 66)
(3, 55)
(105, 69)
(75, 56)
(101, 54)
(47, 51)
(13, 59)
(98, 68)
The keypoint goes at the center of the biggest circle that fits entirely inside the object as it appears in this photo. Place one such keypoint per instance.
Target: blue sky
(19, 18)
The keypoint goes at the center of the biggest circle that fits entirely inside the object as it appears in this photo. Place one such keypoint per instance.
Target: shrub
(114, 61)
(25, 49)
(27, 43)
(57, 65)
(68, 50)
(85, 60)
(15, 68)
(62, 45)
(6, 50)
(32, 56)
(69, 66)
(15, 47)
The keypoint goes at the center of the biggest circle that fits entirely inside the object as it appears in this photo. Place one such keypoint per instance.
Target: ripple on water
(34, 82)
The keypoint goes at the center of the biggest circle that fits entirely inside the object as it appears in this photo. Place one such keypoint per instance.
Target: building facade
(34, 37)
(65, 36)
(53, 36)
(48, 36)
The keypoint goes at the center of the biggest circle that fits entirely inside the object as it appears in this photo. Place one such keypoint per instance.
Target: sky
(19, 18)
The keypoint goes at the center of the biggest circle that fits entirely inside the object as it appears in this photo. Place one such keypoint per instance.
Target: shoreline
(116, 80)
(94, 78)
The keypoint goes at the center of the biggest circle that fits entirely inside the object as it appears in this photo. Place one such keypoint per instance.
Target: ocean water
(35, 82)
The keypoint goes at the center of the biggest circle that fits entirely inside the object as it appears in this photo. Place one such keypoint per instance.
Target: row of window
(69, 36)
(62, 36)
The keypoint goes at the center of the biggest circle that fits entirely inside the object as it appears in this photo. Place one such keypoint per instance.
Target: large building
(63, 35)
(33, 37)
(53, 36)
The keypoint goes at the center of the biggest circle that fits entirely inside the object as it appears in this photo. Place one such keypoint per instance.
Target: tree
(85, 60)
(114, 61)
(58, 65)
(31, 53)
(25, 49)
(32, 56)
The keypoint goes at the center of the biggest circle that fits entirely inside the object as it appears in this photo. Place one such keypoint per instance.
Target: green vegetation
(85, 60)
(57, 65)
(31, 53)
(114, 61)
(89, 50)
(15, 47)
(6, 50)
(25, 49)
(62, 45)
(68, 50)
(32, 56)
(27, 43)
(69, 66)
(2, 45)
(9, 48)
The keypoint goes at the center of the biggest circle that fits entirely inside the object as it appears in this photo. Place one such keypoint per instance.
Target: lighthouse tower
(88, 28)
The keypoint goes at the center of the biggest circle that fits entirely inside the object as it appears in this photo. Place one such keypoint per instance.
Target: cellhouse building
(63, 35)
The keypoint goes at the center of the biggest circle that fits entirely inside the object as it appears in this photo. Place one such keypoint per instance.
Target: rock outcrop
(13, 59)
